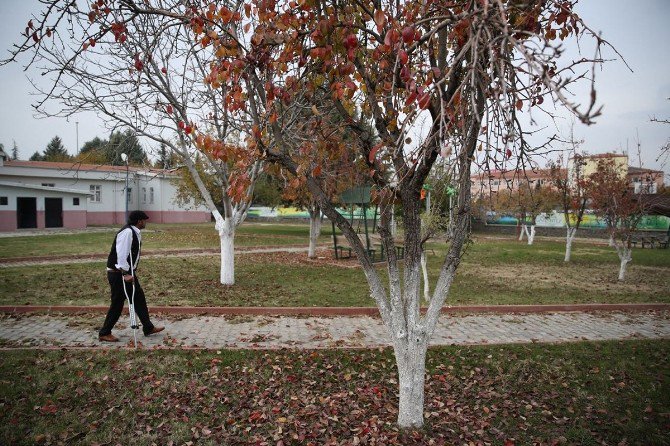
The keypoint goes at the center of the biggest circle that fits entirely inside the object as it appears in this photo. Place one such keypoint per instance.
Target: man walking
(121, 272)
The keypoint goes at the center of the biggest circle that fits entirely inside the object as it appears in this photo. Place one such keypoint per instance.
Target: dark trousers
(116, 285)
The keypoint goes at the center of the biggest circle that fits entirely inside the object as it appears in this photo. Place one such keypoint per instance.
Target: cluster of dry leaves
(492, 396)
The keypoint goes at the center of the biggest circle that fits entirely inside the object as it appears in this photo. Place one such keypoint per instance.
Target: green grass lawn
(156, 237)
(575, 393)
(493, 271)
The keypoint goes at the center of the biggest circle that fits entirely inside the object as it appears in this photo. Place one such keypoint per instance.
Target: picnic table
(650, 240)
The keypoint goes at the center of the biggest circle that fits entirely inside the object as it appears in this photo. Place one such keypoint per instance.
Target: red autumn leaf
(424, 101)
(169, 109)
(380, 18)
(402, 54)
(373, 152)
(519, 104)
(408, 35)
(351, 41)
(411, 98)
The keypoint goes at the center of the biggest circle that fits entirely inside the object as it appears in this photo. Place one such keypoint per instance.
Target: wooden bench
(651, 241)
(341, 247)
(376, 239)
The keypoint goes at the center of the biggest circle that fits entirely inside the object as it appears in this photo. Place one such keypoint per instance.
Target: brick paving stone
(261, 332)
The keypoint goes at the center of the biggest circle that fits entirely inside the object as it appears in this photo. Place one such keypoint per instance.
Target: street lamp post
(124, 157)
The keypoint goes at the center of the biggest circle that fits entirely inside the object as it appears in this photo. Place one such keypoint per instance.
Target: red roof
(75, 165)
(511, 174)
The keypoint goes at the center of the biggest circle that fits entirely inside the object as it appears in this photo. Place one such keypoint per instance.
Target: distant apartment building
(40, 194)
(640, 179)
(484, 183)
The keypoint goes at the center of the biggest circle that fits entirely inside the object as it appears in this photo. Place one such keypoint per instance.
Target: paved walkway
(267, 332)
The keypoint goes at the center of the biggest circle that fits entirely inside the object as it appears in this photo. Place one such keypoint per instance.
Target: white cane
(131, 301)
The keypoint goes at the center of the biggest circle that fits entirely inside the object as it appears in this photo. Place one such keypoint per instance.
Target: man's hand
(127, 278)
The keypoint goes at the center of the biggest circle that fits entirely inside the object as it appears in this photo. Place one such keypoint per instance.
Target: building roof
(603, 155)
(641, 170)
(512, 174)
(77, 166)
(45, 188)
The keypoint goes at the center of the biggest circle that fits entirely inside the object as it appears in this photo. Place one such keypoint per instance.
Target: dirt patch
(594, 279)
(324, 257)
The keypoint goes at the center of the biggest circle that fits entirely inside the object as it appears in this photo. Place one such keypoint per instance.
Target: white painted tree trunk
(411, 363)
(531, 235)
(611, 241)
(314, 232)
(424, 270)
(521, 232)
(625, 256)
(568, 243)
(226, 230)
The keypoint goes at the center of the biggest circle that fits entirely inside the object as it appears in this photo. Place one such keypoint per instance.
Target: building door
(26, 212)
(53, 212)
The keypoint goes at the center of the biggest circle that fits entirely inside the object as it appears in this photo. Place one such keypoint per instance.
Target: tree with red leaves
(435, 79)
(570, 183)
(616, 203)
(144, 72)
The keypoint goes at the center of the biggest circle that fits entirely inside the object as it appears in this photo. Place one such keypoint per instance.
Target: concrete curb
(341, 311)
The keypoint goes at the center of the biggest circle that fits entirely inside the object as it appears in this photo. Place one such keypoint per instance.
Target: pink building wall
(105, 218)
(179, 216)
(40, 220)
(8, 221)
(119, 218)
(74, 219)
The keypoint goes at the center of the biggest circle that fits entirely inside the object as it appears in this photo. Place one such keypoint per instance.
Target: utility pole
(124, 157)
(76, 125)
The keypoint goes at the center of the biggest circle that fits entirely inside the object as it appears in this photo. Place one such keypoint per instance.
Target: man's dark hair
(136, 216)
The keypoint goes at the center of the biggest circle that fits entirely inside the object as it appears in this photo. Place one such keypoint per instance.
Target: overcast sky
(638, 29)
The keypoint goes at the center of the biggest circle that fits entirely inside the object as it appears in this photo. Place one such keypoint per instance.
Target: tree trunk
(314, 231)
(521, 232)
(531, 235)
(625, 257)
(568, 243)
(227, 237)
(424, 269)
(411, 363)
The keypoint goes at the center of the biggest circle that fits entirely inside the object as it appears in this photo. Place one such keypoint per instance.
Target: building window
(129, 195)
(75, 201)
(144, 195)
(151, 195)
(96, 191)
(49, 184)
(3, 201)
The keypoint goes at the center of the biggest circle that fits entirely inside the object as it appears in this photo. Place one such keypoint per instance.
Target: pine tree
(55, 151)
(128, 143)
(15, 151)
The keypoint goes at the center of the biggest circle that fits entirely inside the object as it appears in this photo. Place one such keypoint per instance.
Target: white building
(40, 194)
